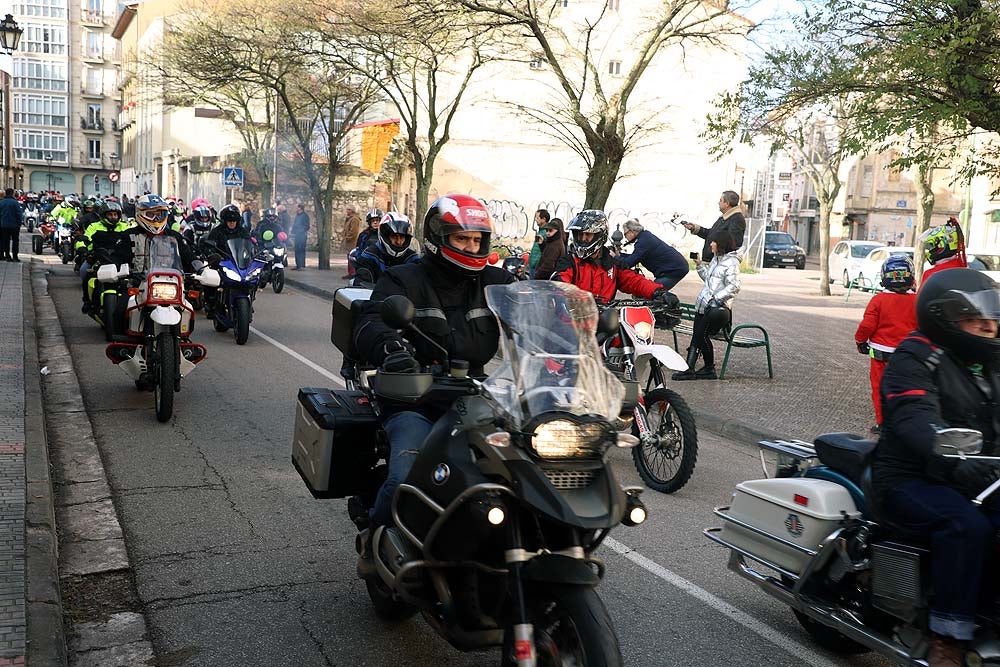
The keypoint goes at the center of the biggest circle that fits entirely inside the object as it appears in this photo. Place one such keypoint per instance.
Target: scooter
(814, 537)
(663, 422)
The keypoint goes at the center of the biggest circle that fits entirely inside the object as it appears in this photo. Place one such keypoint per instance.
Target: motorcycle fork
(516, 557)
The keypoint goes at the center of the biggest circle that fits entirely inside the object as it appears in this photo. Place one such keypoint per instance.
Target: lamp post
(10, 34)
(48, 163)
(10, 37)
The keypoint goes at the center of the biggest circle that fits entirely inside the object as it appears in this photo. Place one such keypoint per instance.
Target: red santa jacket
(889, 318)
(602, 278)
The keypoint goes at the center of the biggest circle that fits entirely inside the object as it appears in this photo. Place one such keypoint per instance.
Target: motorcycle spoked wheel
(241, 321)
(278, 281)
(165, 376)
(572, 629)
(668, 465)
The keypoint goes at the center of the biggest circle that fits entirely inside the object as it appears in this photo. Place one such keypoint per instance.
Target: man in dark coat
(11, 217)
(731, 221)
(553, 248)
(666, 264)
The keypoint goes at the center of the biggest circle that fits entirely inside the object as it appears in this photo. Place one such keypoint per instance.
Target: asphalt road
(237, 565)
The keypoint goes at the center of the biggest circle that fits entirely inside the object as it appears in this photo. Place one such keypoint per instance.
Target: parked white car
(869, 275)
(846, 259)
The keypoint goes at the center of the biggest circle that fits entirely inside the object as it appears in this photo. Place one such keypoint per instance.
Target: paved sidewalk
(820, 381)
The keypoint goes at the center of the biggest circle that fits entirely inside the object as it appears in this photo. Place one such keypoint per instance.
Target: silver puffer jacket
(722, 281)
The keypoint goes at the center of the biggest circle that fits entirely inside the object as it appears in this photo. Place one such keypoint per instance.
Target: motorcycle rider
(946, 374)
(590, 265)
(152, 215)
(392, 248)
(369, 234)
(447, 288)
(230, 227)
(944, 248)
(201, 220)
(268, 223)
(109, 221)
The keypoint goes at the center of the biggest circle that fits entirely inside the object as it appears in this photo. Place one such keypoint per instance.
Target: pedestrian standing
(11, 217)
(731, 221)
(247, 216)
(352, 227)
(283, 218)
(300, 233)
(553, 248)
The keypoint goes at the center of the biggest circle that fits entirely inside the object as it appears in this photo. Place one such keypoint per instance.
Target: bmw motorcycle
(240, 273)
(814, 537)
(663, 422)
(156, 351)
(496, 526)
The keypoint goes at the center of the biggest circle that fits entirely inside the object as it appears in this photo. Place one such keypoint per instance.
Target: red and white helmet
(452, 214)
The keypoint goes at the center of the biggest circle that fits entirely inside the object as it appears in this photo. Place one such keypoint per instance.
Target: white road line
(765, 631)
(336, 379)
(779, 639)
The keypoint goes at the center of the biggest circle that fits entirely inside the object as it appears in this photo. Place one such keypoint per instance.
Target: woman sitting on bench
(712, 313)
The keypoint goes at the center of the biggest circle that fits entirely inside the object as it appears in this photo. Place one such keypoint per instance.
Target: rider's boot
(692, 359)
(944, 652)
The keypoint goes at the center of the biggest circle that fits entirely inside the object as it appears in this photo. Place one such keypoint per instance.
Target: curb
(46, 640)
(306, 287)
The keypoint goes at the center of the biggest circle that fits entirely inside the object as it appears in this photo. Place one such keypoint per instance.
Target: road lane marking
(779, 639)
(765, 631)
(336, 379)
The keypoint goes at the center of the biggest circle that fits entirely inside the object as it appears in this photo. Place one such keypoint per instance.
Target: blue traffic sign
(232, 177)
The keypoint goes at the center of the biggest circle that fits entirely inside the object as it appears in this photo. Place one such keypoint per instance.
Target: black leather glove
(399, 358)
(972, 477)
(863, 347)
(669, 299)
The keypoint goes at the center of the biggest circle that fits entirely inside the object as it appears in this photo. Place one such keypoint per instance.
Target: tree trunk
(925, 208)
(824, 246)
(600, 179)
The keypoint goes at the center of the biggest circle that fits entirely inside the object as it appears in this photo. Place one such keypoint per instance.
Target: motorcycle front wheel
(278, 281)
(64, 250)
(36, 245)
(572, 627)
(667, 465)
(241, 319)
(109, 315)
(165, 376)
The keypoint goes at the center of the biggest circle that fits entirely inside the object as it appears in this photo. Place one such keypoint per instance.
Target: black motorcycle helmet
(394, 223)
(230, 213)
(110, 212)
(590, 221)
(951, 296)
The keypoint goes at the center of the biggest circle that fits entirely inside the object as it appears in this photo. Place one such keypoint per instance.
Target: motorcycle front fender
(662, 353)
(559, 569)
(165, 316)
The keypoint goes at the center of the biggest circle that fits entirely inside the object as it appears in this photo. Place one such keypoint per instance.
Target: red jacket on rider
(602, 278)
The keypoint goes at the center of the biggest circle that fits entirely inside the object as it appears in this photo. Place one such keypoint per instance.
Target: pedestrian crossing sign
(232, 177)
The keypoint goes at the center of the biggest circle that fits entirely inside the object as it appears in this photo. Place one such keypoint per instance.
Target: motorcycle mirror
(959, 441)
(397, 311)
(493, 258)
(607, 323)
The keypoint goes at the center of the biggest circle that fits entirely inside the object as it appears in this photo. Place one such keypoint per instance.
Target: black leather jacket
(221, 234)
(925, 386)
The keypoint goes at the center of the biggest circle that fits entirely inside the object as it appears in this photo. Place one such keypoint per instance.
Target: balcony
(91, 17)
(87, 91)
(96, 125)
(92, 55)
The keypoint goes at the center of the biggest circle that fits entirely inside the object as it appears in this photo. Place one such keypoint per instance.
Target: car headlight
(770, 252)
(563, 439)
(231, 275)
(163, 292)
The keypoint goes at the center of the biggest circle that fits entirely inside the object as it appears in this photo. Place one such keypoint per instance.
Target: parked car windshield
(779, 238)
(860, 251)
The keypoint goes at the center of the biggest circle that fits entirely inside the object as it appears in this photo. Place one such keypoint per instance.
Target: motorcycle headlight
(564, 439)
(254, 273)
(163, 292)
(279, 252)
(231, 275)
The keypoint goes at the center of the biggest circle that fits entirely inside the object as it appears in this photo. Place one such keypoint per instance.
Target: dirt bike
(661, 419)
(815, 537)
(496, 525)
(156, 350)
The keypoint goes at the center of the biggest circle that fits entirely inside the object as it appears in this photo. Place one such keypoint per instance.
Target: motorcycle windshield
(241, 251)
(551, 361)
(164, 254)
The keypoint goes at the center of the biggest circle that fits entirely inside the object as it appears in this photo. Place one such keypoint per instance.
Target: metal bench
(731, 336)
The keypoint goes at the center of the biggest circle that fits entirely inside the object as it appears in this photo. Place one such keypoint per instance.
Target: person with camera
(447, 287)
(731, 221)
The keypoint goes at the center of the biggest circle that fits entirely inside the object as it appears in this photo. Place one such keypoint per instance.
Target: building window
(36, 144)
(613, 5)
(94, 151)
(39, 110)
(93, 115)
(39, 38)
(94, 45)
(615, 67)
(39, 75)
(94, 82)
(55, 9)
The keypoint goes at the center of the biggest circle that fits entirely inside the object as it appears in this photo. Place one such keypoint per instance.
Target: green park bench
(731, 336)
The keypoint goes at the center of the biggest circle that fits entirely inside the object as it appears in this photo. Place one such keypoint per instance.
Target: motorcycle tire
(199, 303)
(64, 251)
(386, 607)
(572, 626)
(219, 326)
(667, 469)
(142, 385)
(109, 311)
(278, 281)
(165, 376)
(241, 321)
(31, 227)
(36, 245)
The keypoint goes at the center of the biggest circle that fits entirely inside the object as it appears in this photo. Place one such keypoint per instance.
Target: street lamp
(114, 159)
(10, 34)
(48, 163)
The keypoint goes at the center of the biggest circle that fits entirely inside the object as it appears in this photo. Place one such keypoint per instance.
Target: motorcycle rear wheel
(387, 608)
(165, 376)
(278, 281)
(36, 245)
(667, 468)
(241, 321)
(572, 626)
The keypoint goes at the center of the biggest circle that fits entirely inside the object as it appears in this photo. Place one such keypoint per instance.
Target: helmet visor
(957, 305)
(154, 215)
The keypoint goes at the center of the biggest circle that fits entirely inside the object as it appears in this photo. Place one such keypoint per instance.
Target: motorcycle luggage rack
(796, 449)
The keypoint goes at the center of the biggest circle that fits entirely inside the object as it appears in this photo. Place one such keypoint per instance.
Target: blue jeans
(300, 251)
(667, 281)
(961, 537)
(406, 432)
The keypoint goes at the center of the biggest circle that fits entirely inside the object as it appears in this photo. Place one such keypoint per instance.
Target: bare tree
(591, 114)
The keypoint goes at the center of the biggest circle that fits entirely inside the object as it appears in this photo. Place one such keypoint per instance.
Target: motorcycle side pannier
(795, 511)
(347, 304)
(335, 443)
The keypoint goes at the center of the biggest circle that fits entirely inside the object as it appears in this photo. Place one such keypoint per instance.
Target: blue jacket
(11, 213)
(655, 255)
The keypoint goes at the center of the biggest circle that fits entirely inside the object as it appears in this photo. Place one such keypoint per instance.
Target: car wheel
(846, 280)
(800, 266)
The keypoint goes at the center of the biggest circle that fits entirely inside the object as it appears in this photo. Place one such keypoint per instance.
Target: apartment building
(64, 96)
